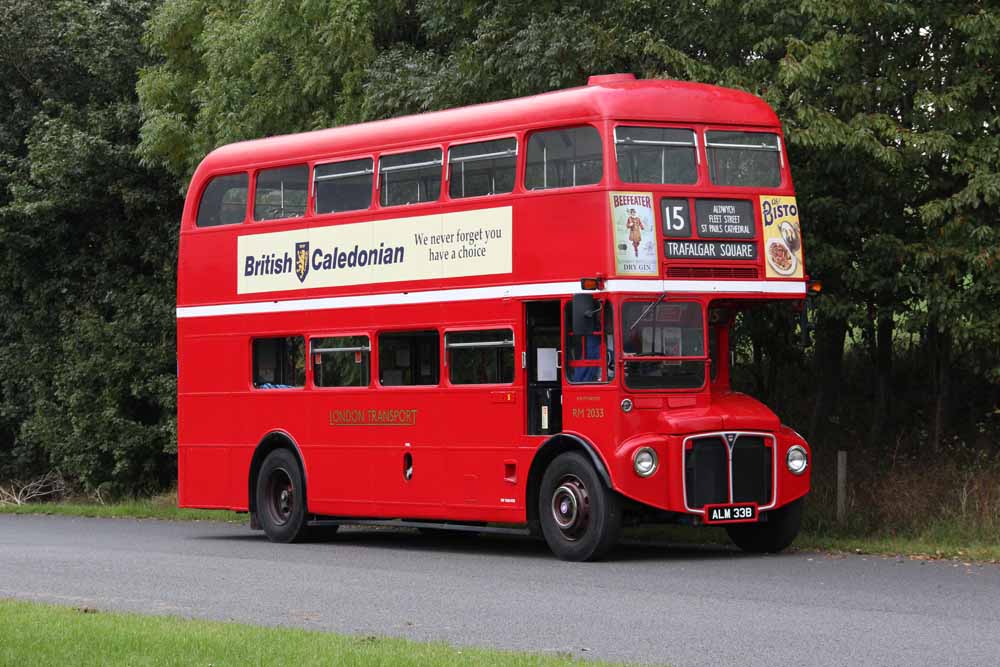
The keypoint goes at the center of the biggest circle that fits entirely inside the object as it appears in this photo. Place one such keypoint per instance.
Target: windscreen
(663, 345)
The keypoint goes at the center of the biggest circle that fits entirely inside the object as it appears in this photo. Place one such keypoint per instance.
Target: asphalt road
(651, 604)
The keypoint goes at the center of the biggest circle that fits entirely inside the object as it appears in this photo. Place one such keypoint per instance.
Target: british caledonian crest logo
(302, 260)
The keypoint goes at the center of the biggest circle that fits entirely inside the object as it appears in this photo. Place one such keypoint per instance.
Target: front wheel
(581, 518)
(775, 535)
(280, 494)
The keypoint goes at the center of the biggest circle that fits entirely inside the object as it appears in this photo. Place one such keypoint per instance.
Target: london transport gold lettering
(373, 417)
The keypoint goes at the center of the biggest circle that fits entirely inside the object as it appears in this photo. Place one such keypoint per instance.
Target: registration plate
(736, 513)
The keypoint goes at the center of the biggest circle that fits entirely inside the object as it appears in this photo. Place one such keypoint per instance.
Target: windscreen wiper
(648, 308)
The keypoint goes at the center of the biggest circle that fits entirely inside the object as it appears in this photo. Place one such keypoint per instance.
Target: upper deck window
(344, 186)
(482, 168)
(224, 201)
(564, 158)
(661, 155)
(281, 193)
(749, 159)
(410, 178)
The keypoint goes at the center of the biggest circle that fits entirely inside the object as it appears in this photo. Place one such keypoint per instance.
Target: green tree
(229, 71)
(88, 244)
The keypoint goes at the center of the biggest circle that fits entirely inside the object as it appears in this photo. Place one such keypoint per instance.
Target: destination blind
(724, 218)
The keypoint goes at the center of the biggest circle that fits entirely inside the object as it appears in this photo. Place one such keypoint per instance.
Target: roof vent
(602, 79)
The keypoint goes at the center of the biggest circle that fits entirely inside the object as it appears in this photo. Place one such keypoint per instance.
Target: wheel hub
(281, 496)
(571, 507)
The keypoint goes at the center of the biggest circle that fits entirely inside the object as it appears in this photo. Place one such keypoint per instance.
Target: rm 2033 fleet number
(588, 413)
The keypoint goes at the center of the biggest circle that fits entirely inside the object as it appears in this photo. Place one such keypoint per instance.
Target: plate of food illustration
(781, 259)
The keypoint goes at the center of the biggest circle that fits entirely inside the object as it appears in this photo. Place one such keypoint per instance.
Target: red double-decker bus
(514, 314)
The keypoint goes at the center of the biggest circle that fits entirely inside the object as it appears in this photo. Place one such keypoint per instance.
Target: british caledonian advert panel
(448, 245)
(782, 236)
(634, 227)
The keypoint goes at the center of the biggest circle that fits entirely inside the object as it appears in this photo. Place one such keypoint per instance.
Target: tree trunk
(939, 349)
(758, 369)
(881, 425)
(829, 359)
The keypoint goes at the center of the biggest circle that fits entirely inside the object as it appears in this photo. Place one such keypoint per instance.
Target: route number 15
(676, 216)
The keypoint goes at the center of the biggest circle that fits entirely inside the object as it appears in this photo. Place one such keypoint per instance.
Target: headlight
(644, 462)
(797, 460)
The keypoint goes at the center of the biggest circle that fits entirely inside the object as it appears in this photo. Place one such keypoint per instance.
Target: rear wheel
(280, 494)
(779, 531)
(581, 518)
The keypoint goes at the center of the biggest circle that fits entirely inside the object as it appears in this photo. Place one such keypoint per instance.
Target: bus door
(543, 347)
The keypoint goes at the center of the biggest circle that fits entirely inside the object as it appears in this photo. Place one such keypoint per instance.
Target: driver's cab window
(663, 344)
(590, 356)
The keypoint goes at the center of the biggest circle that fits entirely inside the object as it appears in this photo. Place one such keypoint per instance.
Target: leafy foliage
(88, 253)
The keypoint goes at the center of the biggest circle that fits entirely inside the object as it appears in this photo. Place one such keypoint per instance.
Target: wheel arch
(550, 449)
(270, 442)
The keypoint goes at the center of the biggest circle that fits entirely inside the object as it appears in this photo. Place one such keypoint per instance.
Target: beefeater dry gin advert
(634, 226)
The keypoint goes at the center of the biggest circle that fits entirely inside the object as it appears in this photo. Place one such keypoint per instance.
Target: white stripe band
(497, 292)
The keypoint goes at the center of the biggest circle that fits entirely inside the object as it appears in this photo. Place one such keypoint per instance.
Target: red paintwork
(469, 444)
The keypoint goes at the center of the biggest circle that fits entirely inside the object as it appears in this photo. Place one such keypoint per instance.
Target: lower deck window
(279, 363)
(341, 362)
(410, 358)
(481, 357)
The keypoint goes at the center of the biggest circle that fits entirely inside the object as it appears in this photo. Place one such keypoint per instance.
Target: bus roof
(616, 96)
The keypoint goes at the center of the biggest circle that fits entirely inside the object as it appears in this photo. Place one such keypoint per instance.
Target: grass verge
(940, 540)
(935, 542)
(83, 636)
(158, 507)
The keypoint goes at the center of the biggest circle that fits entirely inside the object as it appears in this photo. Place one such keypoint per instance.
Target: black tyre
(281, 500)
(772, 536)
(581, 518)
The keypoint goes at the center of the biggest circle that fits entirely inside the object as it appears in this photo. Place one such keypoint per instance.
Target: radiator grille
(707, 470)
(752, 463)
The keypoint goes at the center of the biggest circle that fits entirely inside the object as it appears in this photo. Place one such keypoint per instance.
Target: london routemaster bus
(510, 316)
